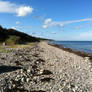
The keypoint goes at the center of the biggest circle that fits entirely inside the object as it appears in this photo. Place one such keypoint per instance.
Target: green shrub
(12, 40)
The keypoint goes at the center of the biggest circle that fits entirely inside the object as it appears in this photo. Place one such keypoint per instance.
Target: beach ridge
(44, 68)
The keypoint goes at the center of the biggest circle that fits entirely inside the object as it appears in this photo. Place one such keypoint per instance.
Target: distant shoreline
(79, 53)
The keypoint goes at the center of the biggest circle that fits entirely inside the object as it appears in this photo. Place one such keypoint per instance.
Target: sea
(84, 46)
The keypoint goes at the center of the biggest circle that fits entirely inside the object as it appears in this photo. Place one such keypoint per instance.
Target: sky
(52, 19)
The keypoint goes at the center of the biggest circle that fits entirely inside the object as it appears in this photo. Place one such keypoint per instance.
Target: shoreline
(79, 53)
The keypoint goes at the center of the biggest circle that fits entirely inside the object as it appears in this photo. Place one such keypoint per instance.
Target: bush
(12, 40)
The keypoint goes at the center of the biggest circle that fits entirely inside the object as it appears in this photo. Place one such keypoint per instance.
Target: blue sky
(54, 19)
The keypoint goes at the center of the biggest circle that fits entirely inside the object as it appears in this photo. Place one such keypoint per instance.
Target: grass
(22, 45)
(5, 49)
(19, 46)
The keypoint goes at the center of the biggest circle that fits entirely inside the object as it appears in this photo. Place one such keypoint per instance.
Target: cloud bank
(49, 23)
(19, 10)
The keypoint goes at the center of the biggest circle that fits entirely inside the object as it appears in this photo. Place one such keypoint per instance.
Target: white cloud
(13, 28)
(50, 23)
(17, 22)
(24, 10)
(19, 10)
(45, 26)
(7, 7)
(42, 18)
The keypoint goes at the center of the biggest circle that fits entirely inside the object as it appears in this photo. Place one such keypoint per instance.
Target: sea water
(85, 46)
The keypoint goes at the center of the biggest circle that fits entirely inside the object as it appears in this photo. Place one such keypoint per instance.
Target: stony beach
(44, 68)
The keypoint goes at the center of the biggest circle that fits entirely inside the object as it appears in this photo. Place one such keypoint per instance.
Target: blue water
(85, 46)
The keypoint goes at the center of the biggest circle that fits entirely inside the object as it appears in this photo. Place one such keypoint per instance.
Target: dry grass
(4, 49)
(22, 46)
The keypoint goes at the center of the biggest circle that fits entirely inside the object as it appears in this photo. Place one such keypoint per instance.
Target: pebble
(86, 59)
(21, 71)
(22, 79)
(28, 70)
(27, 80)
(41, 71)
